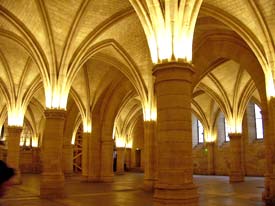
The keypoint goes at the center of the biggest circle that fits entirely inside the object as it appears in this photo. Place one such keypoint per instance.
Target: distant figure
(5, 174)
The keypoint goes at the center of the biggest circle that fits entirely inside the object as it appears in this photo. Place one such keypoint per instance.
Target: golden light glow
(15, 116)
(74, 135)
(22, 141)
(1, 130)
(150, 113)
(129, 143)
(170, 32)
(235, 125)
(210, 136)
(34, 141)
(87, 125)
(270, 85)
(120, 142)
(27, 141)
(73, 139)
(56, 99)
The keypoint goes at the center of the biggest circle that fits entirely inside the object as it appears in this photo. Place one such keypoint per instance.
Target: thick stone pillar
(106, 173)
(236, 164)
(14, 152)
(149, 155)
(94, 159)
(85, 155)
(269, 141)
(52, 180)
(174, 135)
(67, 159)
(210, 158)
(94, 151)
(120, 160)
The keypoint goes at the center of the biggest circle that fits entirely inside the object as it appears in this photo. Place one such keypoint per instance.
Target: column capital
(175, 65)
(55, 113)
(173, 71)
(234, 135)
(149, 121)
(120, 148)
(209, 143)
(15, 129)
(149, 124)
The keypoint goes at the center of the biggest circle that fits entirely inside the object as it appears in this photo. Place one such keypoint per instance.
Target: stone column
(94, 151)
(210, 158)
(94, 159)
(85, 155)
(268, 155)
(67, 159)
(269, 141)
(52, 180)
(236, 164)
(271, 199)
(149, 155)
(120, 160)
(106, 173)
(128, 158)
(174, 135)
(13, 155)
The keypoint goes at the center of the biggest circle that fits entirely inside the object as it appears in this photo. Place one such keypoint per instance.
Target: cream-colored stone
(91, 48)
(174, 184)
(149, 155)
(85, 154)
(52, 178)
(13, 157)
(210, 157)
(67, 159)
(120, 160)
(236, 164)
(106, 161)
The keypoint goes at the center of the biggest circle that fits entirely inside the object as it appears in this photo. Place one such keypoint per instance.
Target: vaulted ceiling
(92, 44)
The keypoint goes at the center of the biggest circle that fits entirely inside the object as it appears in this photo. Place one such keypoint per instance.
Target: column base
(52, 186)
(148, 185)
(184, 195)
(120, 172)
(269, 196)
(93, 179)
(84, 178)
(107, 179)
(236, 177)
(16, 179)
(68, 174)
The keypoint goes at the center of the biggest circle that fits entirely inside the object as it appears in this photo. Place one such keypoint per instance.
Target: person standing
(6, 173)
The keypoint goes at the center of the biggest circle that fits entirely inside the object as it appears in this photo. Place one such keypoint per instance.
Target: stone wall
(30, 161)
(138, 145)
(252, 150)
(200, 159)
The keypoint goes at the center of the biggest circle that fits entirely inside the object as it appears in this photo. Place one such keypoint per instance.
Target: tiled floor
(127, 190)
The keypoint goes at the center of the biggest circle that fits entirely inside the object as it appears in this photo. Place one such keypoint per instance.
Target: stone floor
(127, 190)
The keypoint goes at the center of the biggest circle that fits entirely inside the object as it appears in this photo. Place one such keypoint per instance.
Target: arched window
(200, 131)
(259, 122)
(226, 131)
